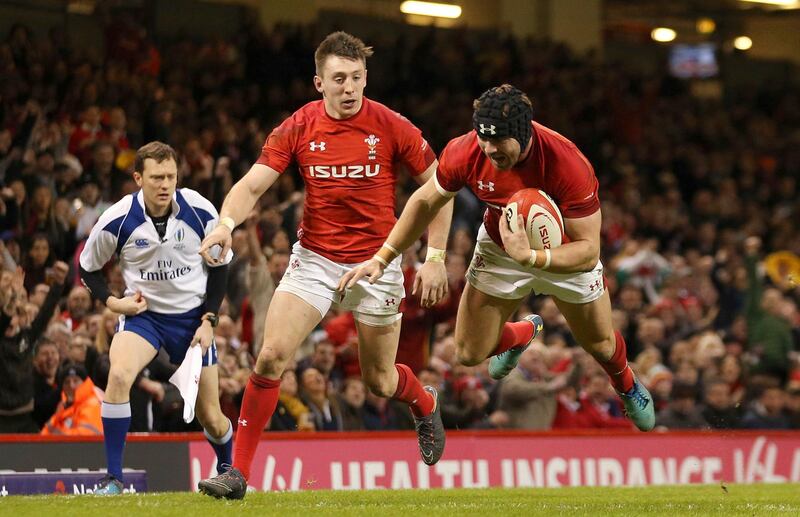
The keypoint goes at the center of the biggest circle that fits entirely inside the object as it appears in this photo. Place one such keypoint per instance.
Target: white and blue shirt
(170, 273)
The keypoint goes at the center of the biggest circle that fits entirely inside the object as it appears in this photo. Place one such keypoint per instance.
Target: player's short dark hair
(158, 151)
(343, 45)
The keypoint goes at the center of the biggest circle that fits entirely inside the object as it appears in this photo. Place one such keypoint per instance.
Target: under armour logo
(390, 301)
(314, 146)
(486, 186)
(597, 284)
(242, 422)
(488, 130)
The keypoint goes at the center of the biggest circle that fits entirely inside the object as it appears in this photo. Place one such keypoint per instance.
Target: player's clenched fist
(129, 306)
(221, 236)
(372, 269)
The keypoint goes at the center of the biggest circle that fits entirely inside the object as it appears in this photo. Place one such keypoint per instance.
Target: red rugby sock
(410, 391)
(617, 367)
(513, 335)
(260, 400)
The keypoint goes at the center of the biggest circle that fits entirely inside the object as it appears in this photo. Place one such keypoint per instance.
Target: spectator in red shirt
(86, 134)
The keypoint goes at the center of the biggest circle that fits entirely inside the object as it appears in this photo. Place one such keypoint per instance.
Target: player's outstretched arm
(237, 205)
(431, 279)
(420, 210)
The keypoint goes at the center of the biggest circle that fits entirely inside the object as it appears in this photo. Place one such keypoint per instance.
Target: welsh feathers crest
(372, 142)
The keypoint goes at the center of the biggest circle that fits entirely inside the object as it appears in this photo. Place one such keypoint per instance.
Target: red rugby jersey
(554, 165)
(349, 168)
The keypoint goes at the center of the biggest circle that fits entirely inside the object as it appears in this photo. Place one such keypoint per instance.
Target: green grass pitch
(696, 501)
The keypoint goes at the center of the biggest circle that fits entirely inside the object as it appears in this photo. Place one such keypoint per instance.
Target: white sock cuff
(225, 437)
(109, 410)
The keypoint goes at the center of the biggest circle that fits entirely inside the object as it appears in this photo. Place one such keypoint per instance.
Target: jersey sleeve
(577, 193)
(412, 149)
(451, 173)
(278, 151)
(102, 242)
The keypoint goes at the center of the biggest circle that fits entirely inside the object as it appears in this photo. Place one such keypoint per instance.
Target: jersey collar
(176, 203)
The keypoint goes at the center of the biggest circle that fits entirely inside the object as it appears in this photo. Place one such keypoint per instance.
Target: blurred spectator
(352, 404)
(386, 414)
(682, 412)
(290, 414)
(731, 372)
(660, 385)
(104, 172)
(767, 411)
(78, 413)
(527, 394)
(340, 330)
(87, 206)
(237, 270)
(261, 277)
(46, 391)
(86, 133)
(19, 335)
(596, 408)
(793, 407)
(719, 410)
(469, 403)
(117, 128)
(770, 336)
(554, 322)
(79, 304)
(37, 262)
(155, 403)
(323, 359)
(324, 408)
(43, 221)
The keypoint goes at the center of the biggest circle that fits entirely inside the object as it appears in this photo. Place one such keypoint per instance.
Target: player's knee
(272, 359)
(212, 419)
(380, 383)
(602, 349)
(120, 378)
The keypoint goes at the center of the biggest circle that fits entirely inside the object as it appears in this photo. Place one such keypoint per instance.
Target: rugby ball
(543, 222)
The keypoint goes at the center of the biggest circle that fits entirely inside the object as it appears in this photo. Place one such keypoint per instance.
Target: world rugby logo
(178, 239)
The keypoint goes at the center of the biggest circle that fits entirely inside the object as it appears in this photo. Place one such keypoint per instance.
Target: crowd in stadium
(698, 196)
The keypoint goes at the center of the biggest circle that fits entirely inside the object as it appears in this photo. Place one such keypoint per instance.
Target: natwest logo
(343, 171)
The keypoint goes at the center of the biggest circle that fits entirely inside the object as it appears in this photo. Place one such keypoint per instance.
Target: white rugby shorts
(314, 278)
(494, 273)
